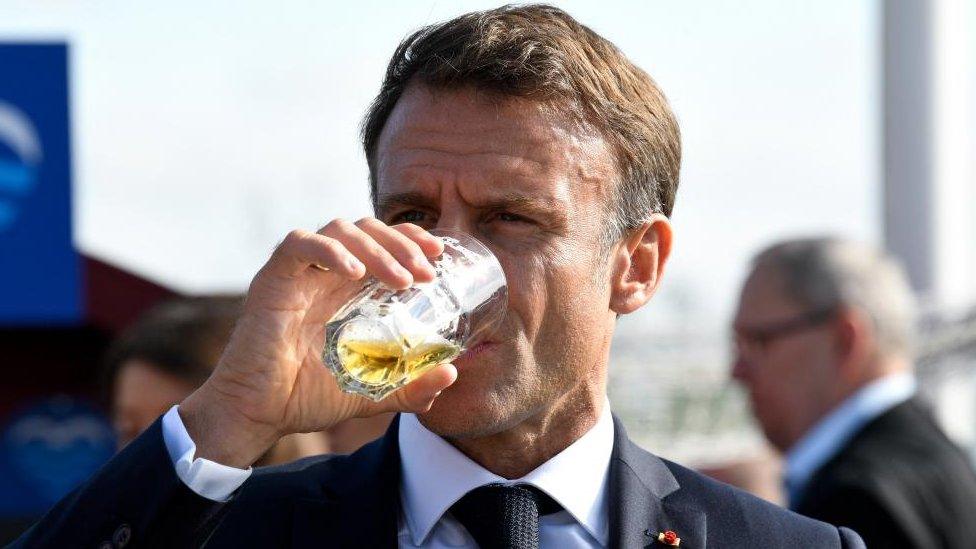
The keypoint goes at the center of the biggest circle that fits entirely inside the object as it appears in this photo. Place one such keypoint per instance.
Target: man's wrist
(222, 435)
(206, 478)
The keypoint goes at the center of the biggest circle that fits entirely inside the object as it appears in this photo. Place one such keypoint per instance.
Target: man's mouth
(474, 352)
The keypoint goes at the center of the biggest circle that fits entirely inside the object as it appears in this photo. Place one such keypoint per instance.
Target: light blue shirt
(830, 434)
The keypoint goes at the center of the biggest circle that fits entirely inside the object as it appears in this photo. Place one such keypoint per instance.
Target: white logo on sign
(18, 175)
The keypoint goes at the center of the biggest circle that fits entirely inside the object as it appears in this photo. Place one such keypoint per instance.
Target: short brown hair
(183, 337)
(539, 52)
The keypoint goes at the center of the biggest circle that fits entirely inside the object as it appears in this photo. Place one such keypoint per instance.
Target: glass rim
(466, 239)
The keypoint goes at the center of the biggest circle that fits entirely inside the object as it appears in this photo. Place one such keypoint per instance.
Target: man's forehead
(764, 295)
(468, 108)
(474, 122)
(493, 148)
(439, 157)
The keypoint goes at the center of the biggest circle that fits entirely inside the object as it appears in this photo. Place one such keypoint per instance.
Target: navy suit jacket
(137, 500)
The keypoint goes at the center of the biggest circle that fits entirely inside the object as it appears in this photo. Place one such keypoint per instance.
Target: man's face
(141, 392)
(787, 376)
(532, 187)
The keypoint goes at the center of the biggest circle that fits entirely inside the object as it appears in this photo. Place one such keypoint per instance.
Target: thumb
(418, 395)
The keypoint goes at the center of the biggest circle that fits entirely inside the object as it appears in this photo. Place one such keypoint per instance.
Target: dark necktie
(504, 517)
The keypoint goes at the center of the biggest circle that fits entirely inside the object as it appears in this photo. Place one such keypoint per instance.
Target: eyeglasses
(750, 340)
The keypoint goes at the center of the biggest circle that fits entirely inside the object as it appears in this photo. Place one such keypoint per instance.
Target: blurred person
(350, 435)
(823, 338)
(526, 129)
(169, 352)
(758, 475)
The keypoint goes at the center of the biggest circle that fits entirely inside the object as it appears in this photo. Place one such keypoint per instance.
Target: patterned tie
(503, 516)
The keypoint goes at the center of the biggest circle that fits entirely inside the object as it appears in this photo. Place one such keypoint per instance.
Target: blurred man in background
(823, 336)
(350, 435)
(172, 350)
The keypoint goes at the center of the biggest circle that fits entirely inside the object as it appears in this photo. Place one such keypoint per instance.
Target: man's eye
(510, 217)
(409, 216)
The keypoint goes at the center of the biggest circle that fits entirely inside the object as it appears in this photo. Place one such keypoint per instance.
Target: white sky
(204, 131)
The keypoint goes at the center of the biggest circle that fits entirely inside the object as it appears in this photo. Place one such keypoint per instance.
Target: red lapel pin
(668, 537)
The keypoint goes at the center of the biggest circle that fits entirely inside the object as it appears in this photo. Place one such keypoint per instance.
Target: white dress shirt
(435, 475)
(207, 478)
(830, 434)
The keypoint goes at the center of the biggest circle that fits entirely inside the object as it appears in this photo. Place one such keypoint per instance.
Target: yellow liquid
(379, 362)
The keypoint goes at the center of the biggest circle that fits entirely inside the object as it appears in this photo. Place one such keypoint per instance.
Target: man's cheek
(527, 290)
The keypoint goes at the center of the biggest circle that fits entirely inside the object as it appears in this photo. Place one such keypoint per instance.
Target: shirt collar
(436, 475)
(829, 435)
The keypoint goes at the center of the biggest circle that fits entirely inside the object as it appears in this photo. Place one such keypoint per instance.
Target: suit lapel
(640, 504)
(361, 503)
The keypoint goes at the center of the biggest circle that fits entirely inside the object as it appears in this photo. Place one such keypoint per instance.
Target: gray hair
(825, 273)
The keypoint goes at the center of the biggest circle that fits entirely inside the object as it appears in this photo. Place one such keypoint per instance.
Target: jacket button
(122, 536)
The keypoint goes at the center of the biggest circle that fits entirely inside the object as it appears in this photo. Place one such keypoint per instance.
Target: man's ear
(854, 343)
(638, 265)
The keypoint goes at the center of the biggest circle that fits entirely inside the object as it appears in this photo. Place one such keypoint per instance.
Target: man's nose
(457, 220)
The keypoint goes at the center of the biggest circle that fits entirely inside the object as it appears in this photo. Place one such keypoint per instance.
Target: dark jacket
(353, 501)
(899, 482)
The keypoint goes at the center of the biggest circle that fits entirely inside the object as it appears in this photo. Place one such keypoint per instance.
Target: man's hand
(271, 380)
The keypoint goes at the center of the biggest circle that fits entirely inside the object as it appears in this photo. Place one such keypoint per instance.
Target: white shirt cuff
(207, 478)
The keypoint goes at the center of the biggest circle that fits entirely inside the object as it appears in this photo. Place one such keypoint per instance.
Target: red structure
(45, 360)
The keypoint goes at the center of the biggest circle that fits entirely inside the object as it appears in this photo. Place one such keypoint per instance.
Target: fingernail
(425, 269)
(354, 264)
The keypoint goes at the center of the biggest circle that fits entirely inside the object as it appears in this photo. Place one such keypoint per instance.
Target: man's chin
(457, 413)
(485, 398)
(474, 406)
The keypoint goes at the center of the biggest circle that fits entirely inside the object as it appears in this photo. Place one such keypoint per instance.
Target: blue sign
(48, 449)
(40, 280)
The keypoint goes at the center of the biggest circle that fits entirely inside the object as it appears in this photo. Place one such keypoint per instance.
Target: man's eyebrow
(388, 201)
(510, 200)
(522, 202)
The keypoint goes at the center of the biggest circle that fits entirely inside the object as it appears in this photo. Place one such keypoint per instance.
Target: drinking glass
(382, 339)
